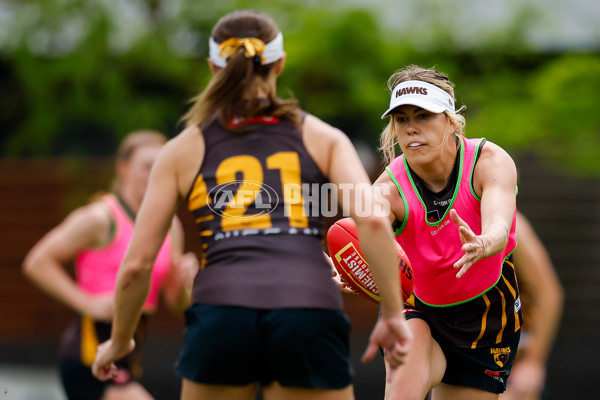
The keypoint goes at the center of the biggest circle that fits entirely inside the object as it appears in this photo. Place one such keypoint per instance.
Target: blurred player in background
(453, 203)
(95, 237)
(543, 298)
(266, 311)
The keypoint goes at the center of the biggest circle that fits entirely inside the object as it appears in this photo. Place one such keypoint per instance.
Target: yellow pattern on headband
(253, 46)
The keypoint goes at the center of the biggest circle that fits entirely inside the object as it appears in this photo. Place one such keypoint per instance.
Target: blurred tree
(564, 94)
(76, 75)
(84, 100)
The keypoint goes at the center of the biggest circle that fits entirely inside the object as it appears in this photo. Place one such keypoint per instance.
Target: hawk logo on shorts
(501, 355)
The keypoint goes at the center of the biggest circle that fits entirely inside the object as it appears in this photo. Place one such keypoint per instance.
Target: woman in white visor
(453, 208)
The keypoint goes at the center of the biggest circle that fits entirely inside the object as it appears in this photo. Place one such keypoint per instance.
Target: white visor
(420, 94)
(273, 51)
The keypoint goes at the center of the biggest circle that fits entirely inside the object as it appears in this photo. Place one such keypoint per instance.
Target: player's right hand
(104, 367)
(393, 335)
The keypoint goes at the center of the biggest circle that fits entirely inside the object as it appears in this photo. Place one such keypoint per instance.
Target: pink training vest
(96, 269)
(433, 248)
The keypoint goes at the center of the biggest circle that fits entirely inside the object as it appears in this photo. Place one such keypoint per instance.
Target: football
(347, 257)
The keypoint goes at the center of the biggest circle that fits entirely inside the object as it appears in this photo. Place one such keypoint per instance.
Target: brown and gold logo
(501, 355)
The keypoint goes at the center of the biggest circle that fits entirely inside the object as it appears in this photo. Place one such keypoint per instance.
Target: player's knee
(409, 381)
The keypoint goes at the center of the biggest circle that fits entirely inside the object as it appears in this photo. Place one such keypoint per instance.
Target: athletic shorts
(79, 383)
(486, 367)
(300, 348)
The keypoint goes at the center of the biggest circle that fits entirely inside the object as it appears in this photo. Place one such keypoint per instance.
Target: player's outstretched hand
(473, 246)
(393, 335)
(104, 367)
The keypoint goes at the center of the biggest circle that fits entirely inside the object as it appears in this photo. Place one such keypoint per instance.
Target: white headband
(273, 51)
(421, 94)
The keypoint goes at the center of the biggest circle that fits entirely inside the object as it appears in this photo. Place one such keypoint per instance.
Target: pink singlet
(433, 248)
(97, 268)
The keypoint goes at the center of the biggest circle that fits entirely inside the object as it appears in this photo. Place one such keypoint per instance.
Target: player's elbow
(27, 267)
(552, 295)
(31, 264)
(558, 296)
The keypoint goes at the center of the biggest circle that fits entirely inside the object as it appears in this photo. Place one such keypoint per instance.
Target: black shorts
(79, 383)
(301, 348)
(486, 367)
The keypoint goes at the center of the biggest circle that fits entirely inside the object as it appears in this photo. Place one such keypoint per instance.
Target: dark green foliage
(65, 96)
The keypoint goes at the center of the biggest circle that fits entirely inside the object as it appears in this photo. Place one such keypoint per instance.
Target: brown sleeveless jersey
(256, 203)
